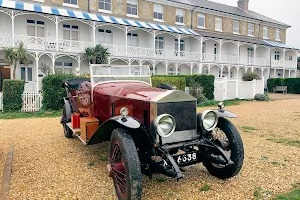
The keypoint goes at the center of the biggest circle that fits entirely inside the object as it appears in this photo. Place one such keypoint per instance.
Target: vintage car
(151, 130)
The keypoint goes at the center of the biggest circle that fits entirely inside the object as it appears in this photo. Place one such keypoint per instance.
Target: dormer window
(266, 32)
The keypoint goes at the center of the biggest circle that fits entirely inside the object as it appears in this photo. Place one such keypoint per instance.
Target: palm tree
(96, 55)
(14, 56)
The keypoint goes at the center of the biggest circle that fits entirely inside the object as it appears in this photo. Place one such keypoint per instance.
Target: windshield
(104, 73)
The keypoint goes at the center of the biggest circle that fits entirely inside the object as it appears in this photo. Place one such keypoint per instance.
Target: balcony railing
(72, 46)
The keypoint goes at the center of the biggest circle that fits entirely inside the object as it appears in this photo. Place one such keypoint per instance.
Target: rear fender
(137, 130)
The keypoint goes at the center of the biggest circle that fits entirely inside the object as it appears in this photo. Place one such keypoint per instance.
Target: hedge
(293, 84)
(178, 82)
(205, 81)
(12, 95)
(53, 92)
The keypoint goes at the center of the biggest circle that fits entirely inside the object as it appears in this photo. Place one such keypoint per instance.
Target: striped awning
(90, 16)
(277, 44)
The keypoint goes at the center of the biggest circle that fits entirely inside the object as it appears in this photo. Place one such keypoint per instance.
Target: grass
(210, 103)
(278, 163)
(293, 195)
(288, 142)
(41, 114)
(260, 193)
(246, 129)
(104, 159)
(204, 188)
(160, 180)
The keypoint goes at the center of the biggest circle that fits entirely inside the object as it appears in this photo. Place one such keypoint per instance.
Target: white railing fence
(226, 89)
(32, 102)
(1, 102)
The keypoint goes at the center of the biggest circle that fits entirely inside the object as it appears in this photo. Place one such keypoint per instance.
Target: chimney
(243, 4)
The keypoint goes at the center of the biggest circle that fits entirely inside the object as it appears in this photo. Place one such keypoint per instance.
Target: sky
(286, 11)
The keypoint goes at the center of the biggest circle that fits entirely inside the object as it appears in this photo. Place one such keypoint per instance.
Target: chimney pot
(243, 4)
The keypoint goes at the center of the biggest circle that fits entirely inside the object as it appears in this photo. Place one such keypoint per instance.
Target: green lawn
(41, 114)
(294, 195)
(210, 103)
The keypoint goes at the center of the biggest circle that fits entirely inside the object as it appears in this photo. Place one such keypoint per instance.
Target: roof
(90, 16)
(244, 39)
(210, 5)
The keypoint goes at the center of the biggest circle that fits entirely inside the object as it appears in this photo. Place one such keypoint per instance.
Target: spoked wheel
(124, 167)
(67, 131)
(229, 139)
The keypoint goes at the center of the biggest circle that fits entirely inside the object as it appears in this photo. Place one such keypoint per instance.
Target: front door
(26, 75)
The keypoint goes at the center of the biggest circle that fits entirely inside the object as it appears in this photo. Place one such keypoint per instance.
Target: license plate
(186, 158)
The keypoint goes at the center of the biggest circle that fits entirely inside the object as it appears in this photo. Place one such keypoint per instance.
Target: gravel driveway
(48, 166)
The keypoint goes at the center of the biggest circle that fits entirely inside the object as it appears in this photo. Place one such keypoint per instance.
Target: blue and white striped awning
(89, 16)
(277, 44)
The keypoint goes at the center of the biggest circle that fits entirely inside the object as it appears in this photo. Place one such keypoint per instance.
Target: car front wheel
(124, 166)
(227, 136)
(67, 131)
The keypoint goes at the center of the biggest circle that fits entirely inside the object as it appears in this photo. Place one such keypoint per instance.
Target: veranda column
(53, 64)
(237, 72)
(37, 71)
(178, 52)
(290, 73)
(78, 71)
(254, 52)
(283, 73)
(201, 49)
(192, 68)
(238, 52)
(56, 32)
(221, 71)
(126, 42)
(166, 63)
(154, 36)
(274, 73)
(176, 68)
(94, 33)
(220, 53)
(13, 27)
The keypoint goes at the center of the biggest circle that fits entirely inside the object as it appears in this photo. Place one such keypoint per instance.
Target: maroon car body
(150, 130)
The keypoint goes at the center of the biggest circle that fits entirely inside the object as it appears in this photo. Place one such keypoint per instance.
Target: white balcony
(284, 64)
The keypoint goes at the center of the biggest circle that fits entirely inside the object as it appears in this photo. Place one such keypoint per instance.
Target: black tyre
(233, 145)
(67, 131)
(165, 86)
(125, 166)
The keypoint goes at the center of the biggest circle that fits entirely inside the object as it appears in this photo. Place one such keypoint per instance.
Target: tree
(13, 56)
(96, 55)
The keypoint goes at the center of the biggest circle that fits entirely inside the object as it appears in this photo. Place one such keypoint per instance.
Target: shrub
(53, 92)
(293, 84)
(261, 97)
(250, 76)
(12, 95)
(197, 91)
(178, 82)
(205, 81)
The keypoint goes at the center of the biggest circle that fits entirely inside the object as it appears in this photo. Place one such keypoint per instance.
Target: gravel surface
(48, 166)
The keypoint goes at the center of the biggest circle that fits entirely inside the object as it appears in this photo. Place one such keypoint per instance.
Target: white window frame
(104, 10)
(130, 37)
(158, 9)
(171, 71)
(278, 33)
(290, 58)
(250, 32)
(69, 3)
(180, 14)
(220, 21)
(71, 30)
(236, 30)
(26, 73)
(36, 26)
(105, 34)
(130, 4)
(182, 45)
(265, 32)
(198, 24)
(277, 55)
(62, 67)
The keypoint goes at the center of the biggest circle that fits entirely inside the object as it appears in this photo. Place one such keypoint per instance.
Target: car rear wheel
(124, 167)
(67, 131)
(227, 136)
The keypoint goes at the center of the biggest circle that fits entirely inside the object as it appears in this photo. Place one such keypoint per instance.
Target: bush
(293, 84)
(205, 81)
(261, 97)
(179, 83)
(250, 76)
(197, 91)
(12, 95)
(53, 92)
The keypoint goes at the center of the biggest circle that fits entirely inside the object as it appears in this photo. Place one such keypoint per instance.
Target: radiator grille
(183, 112)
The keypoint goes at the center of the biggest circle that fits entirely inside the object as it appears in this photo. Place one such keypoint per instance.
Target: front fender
(225, 114)
(137, 130)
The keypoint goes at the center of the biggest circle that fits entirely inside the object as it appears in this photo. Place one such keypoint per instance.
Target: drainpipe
(192, 16)
(89, 2)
